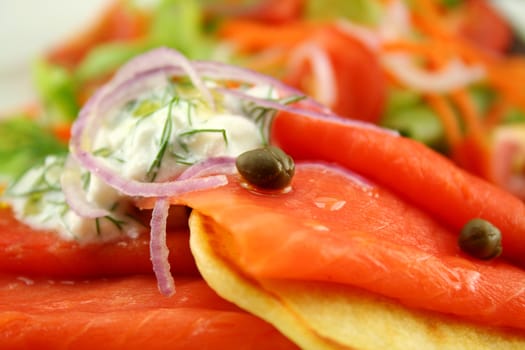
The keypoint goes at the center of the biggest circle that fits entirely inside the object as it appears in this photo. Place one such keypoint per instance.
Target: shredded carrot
(446, 114)
(508, 77)
(419, 48)
(266, 61)
(428, 20)
(496, 112)
(470, 115)
(250, 36)
(429, 9)
(434, 52)
(62, 132)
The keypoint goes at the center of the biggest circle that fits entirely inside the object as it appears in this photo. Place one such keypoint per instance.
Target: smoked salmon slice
(33, 253)
(336, 227)
(413, 171)
(125, 313)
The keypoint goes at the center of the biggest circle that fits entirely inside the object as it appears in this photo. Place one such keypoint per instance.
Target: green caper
(267, 167)
(480, 239)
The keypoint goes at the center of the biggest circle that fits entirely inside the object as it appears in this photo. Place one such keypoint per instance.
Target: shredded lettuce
(23, 144)
(179, 24)
(407, 113)
(106, 58)
(452, 3)
(418, 122)
(57, 90)
(176, 24)
(360, 11)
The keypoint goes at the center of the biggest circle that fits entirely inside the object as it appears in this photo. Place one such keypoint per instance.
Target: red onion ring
(158, 58)
(215, 165)
(304, 112)
(71, 185)
(158, 248)
(145, 189)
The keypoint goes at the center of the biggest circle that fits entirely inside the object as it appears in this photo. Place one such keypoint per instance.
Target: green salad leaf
(176, 24)
(360, 11)
(179, 24)
(24, 143)
(57, 90)
(106, 58)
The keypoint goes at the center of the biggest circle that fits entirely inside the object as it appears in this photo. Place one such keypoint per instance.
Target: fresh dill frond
(205, 130)
(291, 99)
(164, 140)
(104, 152)
(181, 159)
(146, 108)
(118, 223)
(189, 118)
(134, 219)
(86, 180)
(97, 226)
(262, 116)
(114, 206)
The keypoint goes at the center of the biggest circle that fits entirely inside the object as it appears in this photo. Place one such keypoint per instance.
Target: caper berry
(267, 167)
(480, 239)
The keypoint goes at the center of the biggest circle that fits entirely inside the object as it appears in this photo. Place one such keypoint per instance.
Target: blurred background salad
(448, 73)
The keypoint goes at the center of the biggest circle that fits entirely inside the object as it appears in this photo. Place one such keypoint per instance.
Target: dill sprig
(86, 180)
(263, 116)
(198, 131)
(164, 141)
(182, 159)
(185, 158)
(103, 152)
(41, 185)
(119, 224)
(191, 105)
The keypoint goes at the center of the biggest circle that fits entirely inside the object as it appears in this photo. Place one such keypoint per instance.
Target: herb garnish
(263, 116)
(197, 131)
(118, 223)
(164, 140)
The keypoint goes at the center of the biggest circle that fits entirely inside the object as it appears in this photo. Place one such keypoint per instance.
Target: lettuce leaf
(23, 144)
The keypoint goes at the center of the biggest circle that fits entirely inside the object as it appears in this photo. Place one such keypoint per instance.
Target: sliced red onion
(507, 159)
(215, 165)
(453, 76)
(274, 104)
(71, 185)
(395, 21)
(148, 189)
(365, 35)
(322, 68)
(159, 251)
(163, 57)
(217, 70)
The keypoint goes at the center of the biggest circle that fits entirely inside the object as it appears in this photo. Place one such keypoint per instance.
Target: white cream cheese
(152, 138)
